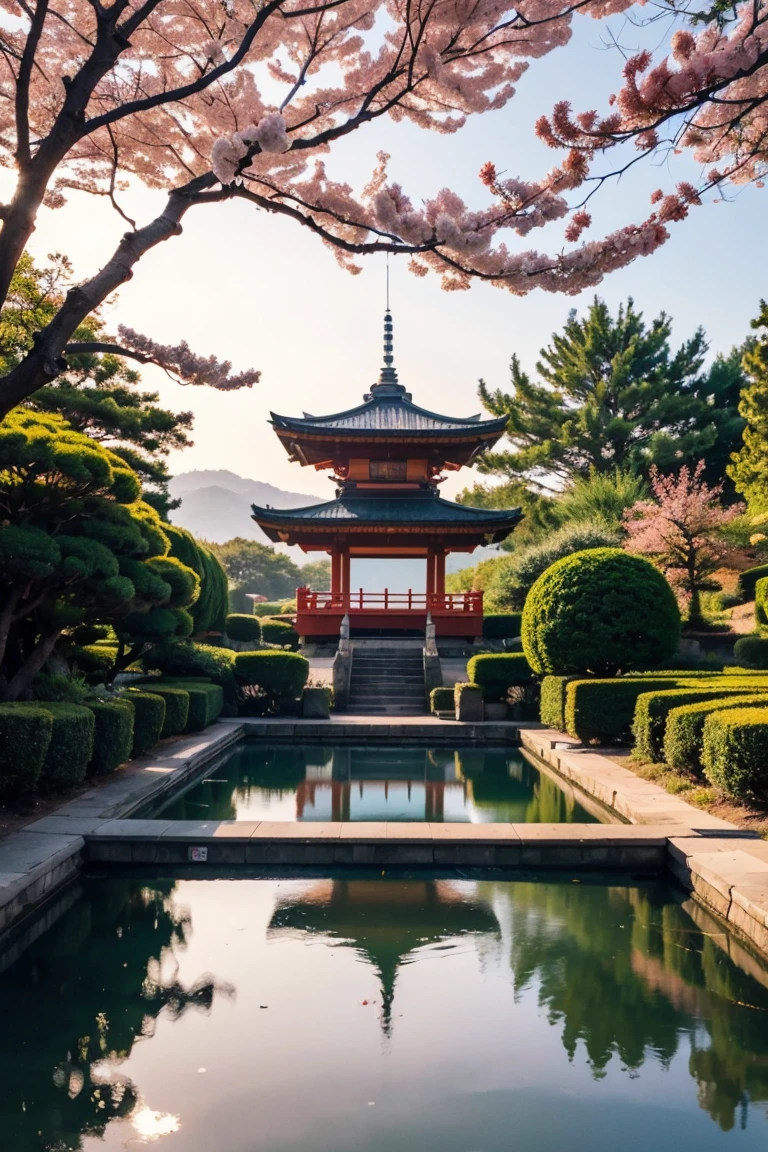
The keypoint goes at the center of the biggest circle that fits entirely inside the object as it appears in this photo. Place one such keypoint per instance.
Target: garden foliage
(684, 730)
(600, 612)
(497, 673)
(735, 752)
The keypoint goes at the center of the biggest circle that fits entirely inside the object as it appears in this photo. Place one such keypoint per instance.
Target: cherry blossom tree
(707, 94)
(680, 528)
(213, 99)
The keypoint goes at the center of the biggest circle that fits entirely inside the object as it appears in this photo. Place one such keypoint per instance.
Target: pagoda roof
(424, 509)
(388, 415)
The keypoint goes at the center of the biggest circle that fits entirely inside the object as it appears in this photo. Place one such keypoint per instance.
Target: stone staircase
(387, 681)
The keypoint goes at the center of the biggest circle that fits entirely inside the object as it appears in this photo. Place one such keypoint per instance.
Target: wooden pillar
(345, 570)
(440, 572)
(335, 572)
(430, 571)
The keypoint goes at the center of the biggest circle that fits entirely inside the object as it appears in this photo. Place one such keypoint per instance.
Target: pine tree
(612, 394)
(97, 395)
(749, 466)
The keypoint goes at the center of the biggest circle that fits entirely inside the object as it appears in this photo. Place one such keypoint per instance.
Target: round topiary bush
(241, 626)
(279, 632)
(600, 612)
(751, 651)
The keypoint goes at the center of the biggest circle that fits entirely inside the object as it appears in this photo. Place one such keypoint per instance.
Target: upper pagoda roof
(388, 412)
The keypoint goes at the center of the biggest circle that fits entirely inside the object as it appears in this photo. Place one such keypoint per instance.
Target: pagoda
(388, 457)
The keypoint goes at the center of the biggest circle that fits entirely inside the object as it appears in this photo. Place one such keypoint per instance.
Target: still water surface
(368, 1013)
(306, 782)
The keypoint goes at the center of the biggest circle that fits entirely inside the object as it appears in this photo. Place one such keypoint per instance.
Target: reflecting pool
(306, 782)
(363, 1012)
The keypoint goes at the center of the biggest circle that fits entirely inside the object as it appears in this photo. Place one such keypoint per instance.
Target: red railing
(470, 603)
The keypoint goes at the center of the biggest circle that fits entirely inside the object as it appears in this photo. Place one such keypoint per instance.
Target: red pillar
(430, 571)
(345, 572)
(440, 572)
(335, 572)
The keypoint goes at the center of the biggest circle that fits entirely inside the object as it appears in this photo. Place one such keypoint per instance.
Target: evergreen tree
(749, 467)
(611, 395)
(97, 394)
(254, 567)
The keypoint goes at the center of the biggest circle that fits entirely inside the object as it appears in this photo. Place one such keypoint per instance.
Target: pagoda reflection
(384, 923)
(317, 783)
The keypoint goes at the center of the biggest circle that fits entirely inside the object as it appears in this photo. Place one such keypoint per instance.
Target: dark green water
(367, 1013)
(279, 782)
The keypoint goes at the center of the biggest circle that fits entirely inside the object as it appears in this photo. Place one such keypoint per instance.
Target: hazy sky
(262, 292)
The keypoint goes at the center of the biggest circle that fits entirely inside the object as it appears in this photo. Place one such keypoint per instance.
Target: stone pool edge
(725, 867)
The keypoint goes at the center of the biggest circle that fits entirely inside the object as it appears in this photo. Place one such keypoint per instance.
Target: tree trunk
(32, 665)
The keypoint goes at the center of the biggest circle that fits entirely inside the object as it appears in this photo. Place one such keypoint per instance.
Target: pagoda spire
(388, 382)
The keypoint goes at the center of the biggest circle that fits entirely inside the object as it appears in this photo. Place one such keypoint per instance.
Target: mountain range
(216, 504)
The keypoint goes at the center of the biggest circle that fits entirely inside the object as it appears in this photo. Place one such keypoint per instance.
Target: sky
(263, 292)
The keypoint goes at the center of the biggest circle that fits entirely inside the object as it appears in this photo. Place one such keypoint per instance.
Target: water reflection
(75, 1004)
(370, 783)
(388, 1014)
(385, 924)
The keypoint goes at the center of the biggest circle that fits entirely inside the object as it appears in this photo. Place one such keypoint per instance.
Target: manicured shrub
(95, 661)
(279, 632)
(735, 752)
(282, 675)
(113, 735)
(205, 702)
(761, 605)
(71, 748)
(441, 700)
(25, 736)
(653, 708)
(552, 708)
(268, 608)
(684, 730)
(468, 702)
(749, 578)
(190, 659)
(511, 580)
(602, 710)
(496, 673)
(148, 720)
(600, 612)
(502, 625)
(752, 651)
(243, 627)
(176, 708)
(213, 693)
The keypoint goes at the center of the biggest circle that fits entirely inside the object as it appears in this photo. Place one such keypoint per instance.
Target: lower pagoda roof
(372, 512)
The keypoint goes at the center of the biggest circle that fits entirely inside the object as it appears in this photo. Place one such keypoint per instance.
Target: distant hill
(216, 505)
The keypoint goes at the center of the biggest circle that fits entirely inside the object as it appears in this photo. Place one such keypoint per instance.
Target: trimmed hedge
(599, 612)
(735, 752)
(684, 730)
(502, 625)
(95, 661)
(113, 735)
(441, 700)
(206, 701)
(187, 659)
(653, 708)
(176, 708)
(148, 720)
(268, 608)
(752, 650)
(25, 736)
(496, 673)
(603, 709)
(279, 674)
(279, 632)
(241, 626)
(749, 578)
(71, 748)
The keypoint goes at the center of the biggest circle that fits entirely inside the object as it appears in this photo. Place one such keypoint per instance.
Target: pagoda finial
(388, 376)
